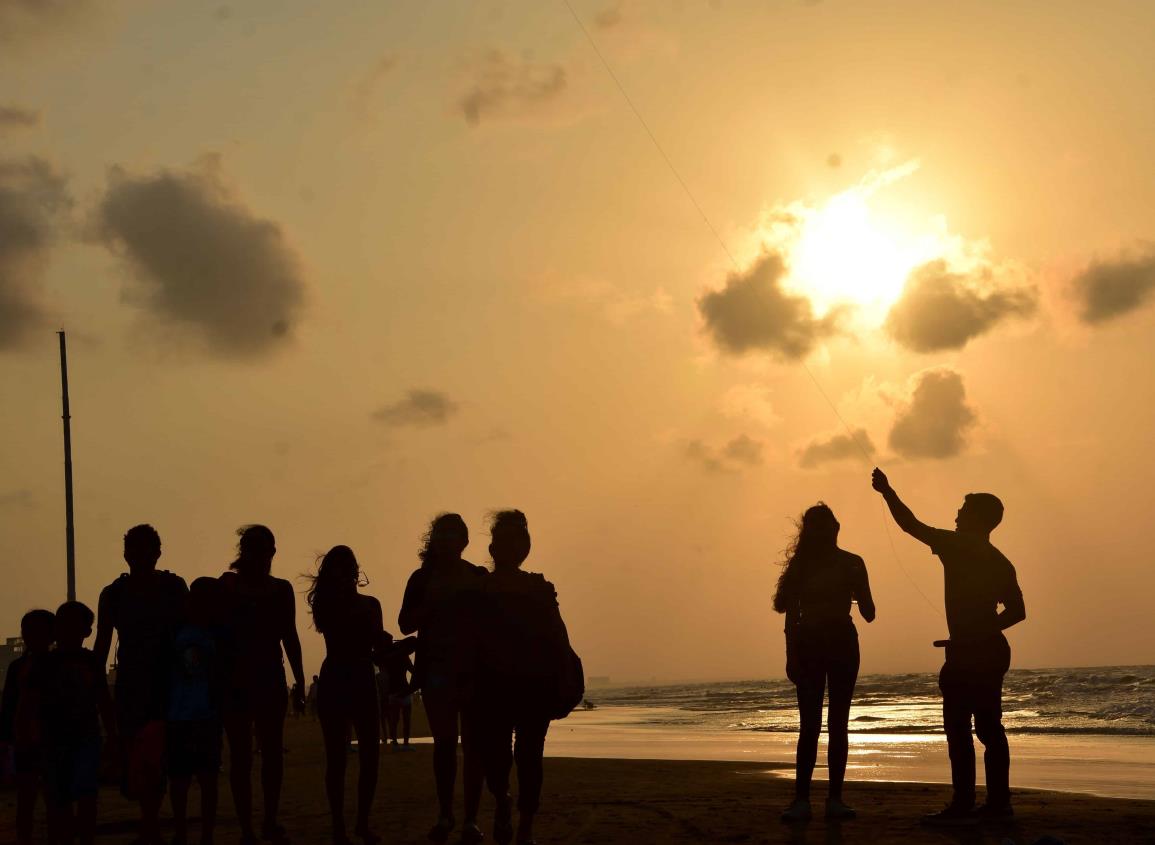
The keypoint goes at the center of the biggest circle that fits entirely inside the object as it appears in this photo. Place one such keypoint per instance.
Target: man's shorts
(72, 771)
(193, 748)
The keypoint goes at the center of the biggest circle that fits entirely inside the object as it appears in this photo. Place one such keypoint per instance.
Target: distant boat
(588, 705)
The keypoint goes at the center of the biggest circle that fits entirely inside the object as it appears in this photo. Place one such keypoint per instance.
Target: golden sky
(338, 267)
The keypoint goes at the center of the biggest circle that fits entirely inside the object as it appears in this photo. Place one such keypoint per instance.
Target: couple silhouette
(818, 584)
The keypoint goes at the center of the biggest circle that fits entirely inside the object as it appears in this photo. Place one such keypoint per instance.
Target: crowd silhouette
(488, 651)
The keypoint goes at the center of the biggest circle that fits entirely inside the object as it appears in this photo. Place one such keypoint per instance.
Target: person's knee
(989, 729)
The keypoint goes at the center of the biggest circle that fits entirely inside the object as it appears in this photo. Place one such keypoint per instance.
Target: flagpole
(69, 524)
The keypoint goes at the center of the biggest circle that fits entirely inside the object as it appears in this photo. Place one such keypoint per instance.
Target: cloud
(1107, 290)
(18, 117)
(365, 90)
(32, 198)
(750, 402)
(616, 304)
(935, 420)
(203, 261)
(837, 447)
(753, 312)
(419, 408)
(738, 453)
(940, 309)
(22, 19)
(503, 88)
(21, 498)
(610, 16)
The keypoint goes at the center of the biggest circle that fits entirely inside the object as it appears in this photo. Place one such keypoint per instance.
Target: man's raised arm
(903, 515)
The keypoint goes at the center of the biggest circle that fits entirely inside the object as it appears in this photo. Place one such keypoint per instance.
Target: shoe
(799, 811)
(440, 831)
(471, 834)
(837, 811)
(995, 812)
(953, 815)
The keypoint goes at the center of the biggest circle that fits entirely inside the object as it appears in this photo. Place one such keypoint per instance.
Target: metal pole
(70, 527)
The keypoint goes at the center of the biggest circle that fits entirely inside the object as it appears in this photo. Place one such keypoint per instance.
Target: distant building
(12, 648)
(598, 681)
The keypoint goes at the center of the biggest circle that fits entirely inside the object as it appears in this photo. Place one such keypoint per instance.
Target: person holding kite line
(977, 578)
(817, 585)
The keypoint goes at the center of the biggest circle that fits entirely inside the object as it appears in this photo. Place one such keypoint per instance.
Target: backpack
(569, 685)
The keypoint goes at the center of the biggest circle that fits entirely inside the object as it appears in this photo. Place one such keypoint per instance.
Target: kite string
(734, 261)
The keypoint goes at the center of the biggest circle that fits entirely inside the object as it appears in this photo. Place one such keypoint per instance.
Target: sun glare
(848, 252)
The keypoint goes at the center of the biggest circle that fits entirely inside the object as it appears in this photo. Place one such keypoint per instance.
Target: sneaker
(995, 812)
(952, 815)
(440, 831)
(471, 834)
(837, 811)
(799, 811)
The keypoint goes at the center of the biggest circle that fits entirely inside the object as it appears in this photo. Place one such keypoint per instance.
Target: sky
(337, 270)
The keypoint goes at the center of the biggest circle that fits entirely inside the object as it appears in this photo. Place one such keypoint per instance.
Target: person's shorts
(193, 748)
(72, 772)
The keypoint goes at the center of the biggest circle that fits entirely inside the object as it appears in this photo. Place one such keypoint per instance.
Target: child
(396, 690)
(20, 728)
(74, 700)
(194, 711)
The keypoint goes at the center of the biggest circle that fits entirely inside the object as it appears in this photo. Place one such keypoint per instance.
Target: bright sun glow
(847, 252)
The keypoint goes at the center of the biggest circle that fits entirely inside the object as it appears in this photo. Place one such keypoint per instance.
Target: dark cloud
(203, 261)
(941, 310)
(935, 421)
(610, 16)
(419, 408)
(1107, 290)
(742, 451)
(18, 117)
(21, 498)
(503, 88)
(32, 198)
(838, 447)
(21, 19)
(753, 312)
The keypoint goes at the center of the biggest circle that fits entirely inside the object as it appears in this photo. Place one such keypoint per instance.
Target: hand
(298, 700)
(879, 481)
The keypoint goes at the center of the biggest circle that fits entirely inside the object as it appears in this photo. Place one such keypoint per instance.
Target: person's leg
(207, 780)
(495, 741)
(27, 788)
(988, 710)
(368, 759)
(442, 713)
(473, 776)
(956, 721)
(406, 717)
(86, 820)
(528, 750)
(269, 722)
(334, 729)
(239, 731)
(392, 714)
(843, 676)
(178, 796)
(809, 690)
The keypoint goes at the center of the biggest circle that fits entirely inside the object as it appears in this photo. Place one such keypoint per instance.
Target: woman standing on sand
(522, 642)
(815, 590)
(347, 689)
(439, 599)
(260, 614)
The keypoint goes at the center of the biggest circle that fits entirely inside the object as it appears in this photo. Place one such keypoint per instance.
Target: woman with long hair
(347, 689)
(260, 613)
(439, 599)
(522, 641)
(819, 581)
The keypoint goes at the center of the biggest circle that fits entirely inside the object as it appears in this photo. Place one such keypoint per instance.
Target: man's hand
(879, 481)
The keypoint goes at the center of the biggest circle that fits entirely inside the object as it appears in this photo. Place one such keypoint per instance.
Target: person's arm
(104, 626)
(104, 703)
(1014, 608)
(414, 608)
(291, 641)
(862, 593)
(8, 702)
(903, 515)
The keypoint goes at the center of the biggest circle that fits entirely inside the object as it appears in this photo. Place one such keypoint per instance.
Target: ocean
(1086, 730)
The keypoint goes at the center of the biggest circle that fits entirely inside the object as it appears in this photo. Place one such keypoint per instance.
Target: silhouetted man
(143, 606)
(977, 579)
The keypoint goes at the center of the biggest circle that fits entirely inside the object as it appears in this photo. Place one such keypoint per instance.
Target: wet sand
(606, 801)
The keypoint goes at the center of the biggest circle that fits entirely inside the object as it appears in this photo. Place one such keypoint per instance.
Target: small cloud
(26, 19)
(834, 161)
(750, 402)
(503, 88)
(22, 499)
(610, 16)
(838, 447)
(33, 197)
(940, 309)
(753, 312)
(203, 261)
(738, 453)
(18, 117)
(934, 421)
(1107, 290)
(699, 453)
(743, 450)
(419, 408)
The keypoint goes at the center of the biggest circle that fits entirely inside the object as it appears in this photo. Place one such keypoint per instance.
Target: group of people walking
(203, 663)
(817, 586)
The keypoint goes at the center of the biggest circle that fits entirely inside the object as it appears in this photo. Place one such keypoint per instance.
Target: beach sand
(605, 801)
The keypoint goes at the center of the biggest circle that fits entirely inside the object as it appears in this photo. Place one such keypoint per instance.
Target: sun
(848, 251)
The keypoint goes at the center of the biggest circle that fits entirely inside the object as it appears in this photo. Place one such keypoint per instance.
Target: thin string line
(734, 262)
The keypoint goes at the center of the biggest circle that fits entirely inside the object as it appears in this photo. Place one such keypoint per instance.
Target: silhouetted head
(202, 607)
(509, 544)
(141, 548)
(256, 546)
(334, 584)
(446, 539)
(980, 513)
(73, 624)
(817, 536)
(38, 630)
